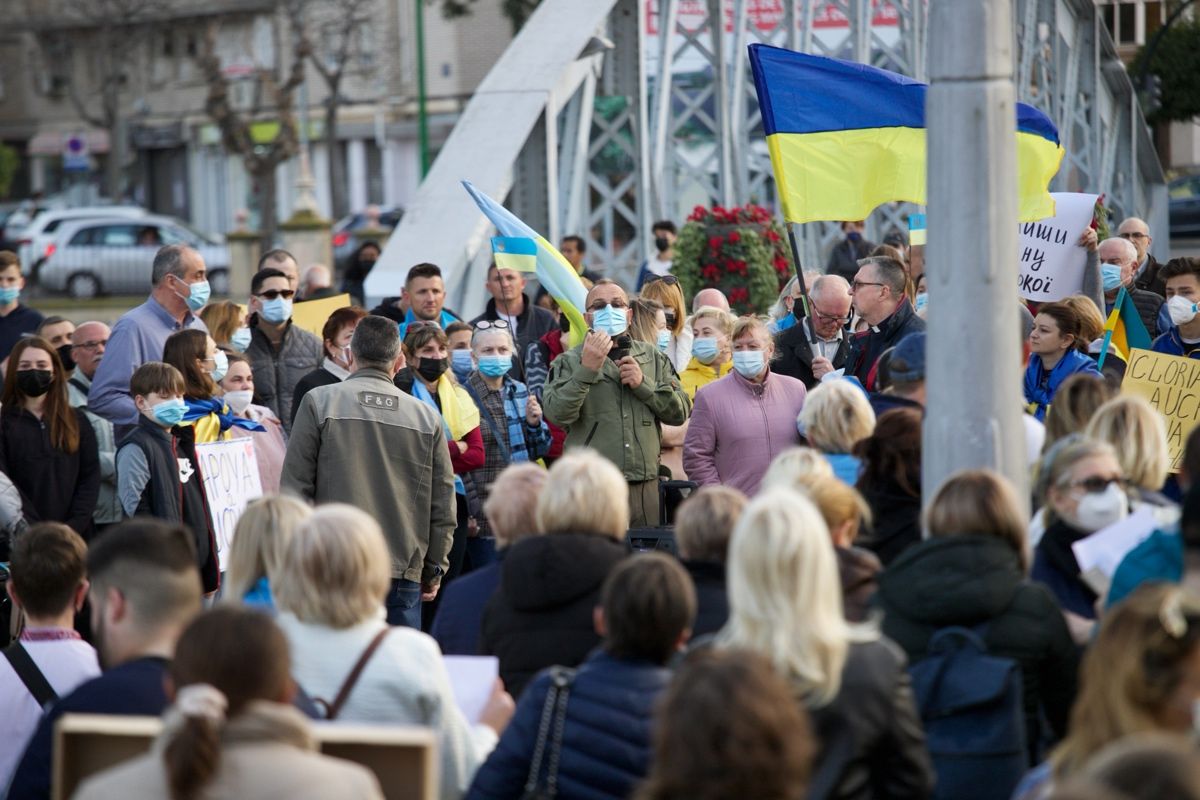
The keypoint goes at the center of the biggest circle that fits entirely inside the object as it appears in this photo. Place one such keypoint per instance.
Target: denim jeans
(404, 603)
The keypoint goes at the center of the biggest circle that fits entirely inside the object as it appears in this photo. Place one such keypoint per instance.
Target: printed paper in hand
(472, 678)
(1100, 554)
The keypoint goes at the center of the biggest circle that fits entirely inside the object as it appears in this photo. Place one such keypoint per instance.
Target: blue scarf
(421, 393)
(202, 408)
(1040, 386)
(444, 319)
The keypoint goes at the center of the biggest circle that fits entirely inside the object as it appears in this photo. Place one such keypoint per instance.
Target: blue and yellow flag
(515, 252)
(553, 271)
(1124, 328)
(845, 137)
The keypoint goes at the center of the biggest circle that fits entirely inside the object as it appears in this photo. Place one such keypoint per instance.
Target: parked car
(345, 232)
(1184, 205)
(114, 255)
(35, 239)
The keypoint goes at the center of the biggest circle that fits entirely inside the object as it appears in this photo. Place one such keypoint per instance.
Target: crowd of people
(818, 623)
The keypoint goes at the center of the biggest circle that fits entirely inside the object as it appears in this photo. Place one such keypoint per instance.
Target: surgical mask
(240, 339)
(198, 293)
(9, 294)
(613, 321)
(169, 412)
(220, 366)
(240, 400)
(432, 368)
(461, 363)
(1182, 310)
(64, 355)
(922, 300)
(277, 311)
(705, 349)
(664, 340)
(662, 244)
(1098, 510)
(748, 363)
(1111, 273)
(34, 382)
(495, 366)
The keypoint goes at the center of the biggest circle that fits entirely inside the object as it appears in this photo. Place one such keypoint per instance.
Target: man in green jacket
(612, 393)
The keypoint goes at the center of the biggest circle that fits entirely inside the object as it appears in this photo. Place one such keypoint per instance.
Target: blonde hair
(723, 319)
(785, 597)
(982, 503)
(670, 296)
(705, 522)
(584, 493)
(512, 504)
(836, 416)
(1075, 403)
(1091, 323)
(1138, 434)
(259, 541)
(644, 325)
(751, 324)
(839, 503)
(797, 468)
(337, 568)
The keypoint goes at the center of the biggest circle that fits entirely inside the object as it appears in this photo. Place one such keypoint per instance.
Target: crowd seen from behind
(814, 620)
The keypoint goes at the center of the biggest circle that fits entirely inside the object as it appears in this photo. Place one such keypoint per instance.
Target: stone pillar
(306, 235)
(244, 252)
(974, 374)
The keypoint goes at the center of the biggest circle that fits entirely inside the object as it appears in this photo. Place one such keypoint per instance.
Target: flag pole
(799, 270)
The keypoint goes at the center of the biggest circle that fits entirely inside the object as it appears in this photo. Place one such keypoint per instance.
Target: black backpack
(971, 706)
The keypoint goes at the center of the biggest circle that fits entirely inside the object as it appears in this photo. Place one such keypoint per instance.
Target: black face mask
(34, 382)
(432, 368)
(64, 355)
(662, 243)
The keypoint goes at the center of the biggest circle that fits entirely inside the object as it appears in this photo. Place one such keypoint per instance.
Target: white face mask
(1181, 309)
(1098, 510)
(239, 401)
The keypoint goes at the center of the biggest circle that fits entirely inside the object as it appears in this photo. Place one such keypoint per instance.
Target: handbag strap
(333, 709)
(27, 670)
(554, 710)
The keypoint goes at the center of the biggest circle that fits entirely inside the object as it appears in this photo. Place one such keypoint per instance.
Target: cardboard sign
(312, 314)
(1172, 385)
(231, 480)
(1051, 260)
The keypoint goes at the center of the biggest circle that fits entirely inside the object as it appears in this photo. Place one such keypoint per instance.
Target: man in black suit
(816, 344)
(1137, 233)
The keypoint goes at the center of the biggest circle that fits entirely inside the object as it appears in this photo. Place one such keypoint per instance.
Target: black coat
(1149, 280)
(318, 377)
(895, 521)
(843, 259)
(712, 600)
(872, 744)
(794, 354)
(868, 346)
(55, 486)
(542, 613)
(533, 323)
(971, 580)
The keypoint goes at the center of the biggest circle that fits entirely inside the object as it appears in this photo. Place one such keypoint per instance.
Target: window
(1127, 23)
(116, 236)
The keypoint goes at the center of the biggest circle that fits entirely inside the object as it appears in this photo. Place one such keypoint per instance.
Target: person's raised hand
(631, 372)
(533, 411)
(499, 709)
(1089, 240)
(595, 349)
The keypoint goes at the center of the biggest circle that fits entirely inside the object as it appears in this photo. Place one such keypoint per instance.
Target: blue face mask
(705, 349)
(612, 321)
(461, 363)
(198, 293)
(664, 340)
(495, 366)
(1111, 273)
(748, 363)
(240, 339)
(277, 311)
(922, 300)
(169, 412)
(9, 294)
(221, 366)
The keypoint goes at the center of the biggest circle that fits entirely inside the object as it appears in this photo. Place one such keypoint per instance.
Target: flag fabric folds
(515, 252)
(553, 271)
(1124, 328)
(846, 137)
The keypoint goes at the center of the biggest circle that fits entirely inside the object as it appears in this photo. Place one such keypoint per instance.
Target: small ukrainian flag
(515, 252)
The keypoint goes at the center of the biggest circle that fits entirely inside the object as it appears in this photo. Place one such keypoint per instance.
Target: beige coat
(267, 753)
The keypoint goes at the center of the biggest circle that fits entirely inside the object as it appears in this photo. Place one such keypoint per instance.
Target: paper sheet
(472, 678)
(1100, 554)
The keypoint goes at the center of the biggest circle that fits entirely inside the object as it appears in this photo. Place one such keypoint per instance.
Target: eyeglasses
(485, 324)
(823, 317)
(92, 345)
(859, 284)
(271, 294)
(669, 280)
(1134, 235)
(1097, 484)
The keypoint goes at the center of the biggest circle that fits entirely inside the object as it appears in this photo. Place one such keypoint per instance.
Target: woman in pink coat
(742, 421)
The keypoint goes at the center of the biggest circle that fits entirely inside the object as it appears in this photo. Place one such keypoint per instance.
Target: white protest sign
(231, 480)
(1051, 265)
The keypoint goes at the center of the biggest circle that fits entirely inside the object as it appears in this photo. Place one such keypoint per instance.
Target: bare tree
(116, 30)
(339, 25)
(517, 11)
(260, 160)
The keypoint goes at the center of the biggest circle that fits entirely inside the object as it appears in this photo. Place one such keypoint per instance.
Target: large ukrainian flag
(845, 137)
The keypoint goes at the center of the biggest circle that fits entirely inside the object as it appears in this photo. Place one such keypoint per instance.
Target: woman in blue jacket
(1056, 353)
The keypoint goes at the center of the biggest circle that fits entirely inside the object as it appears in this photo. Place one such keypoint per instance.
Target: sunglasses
(669, 280)
(486, 324)
(1097, 484)
(272, 294)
